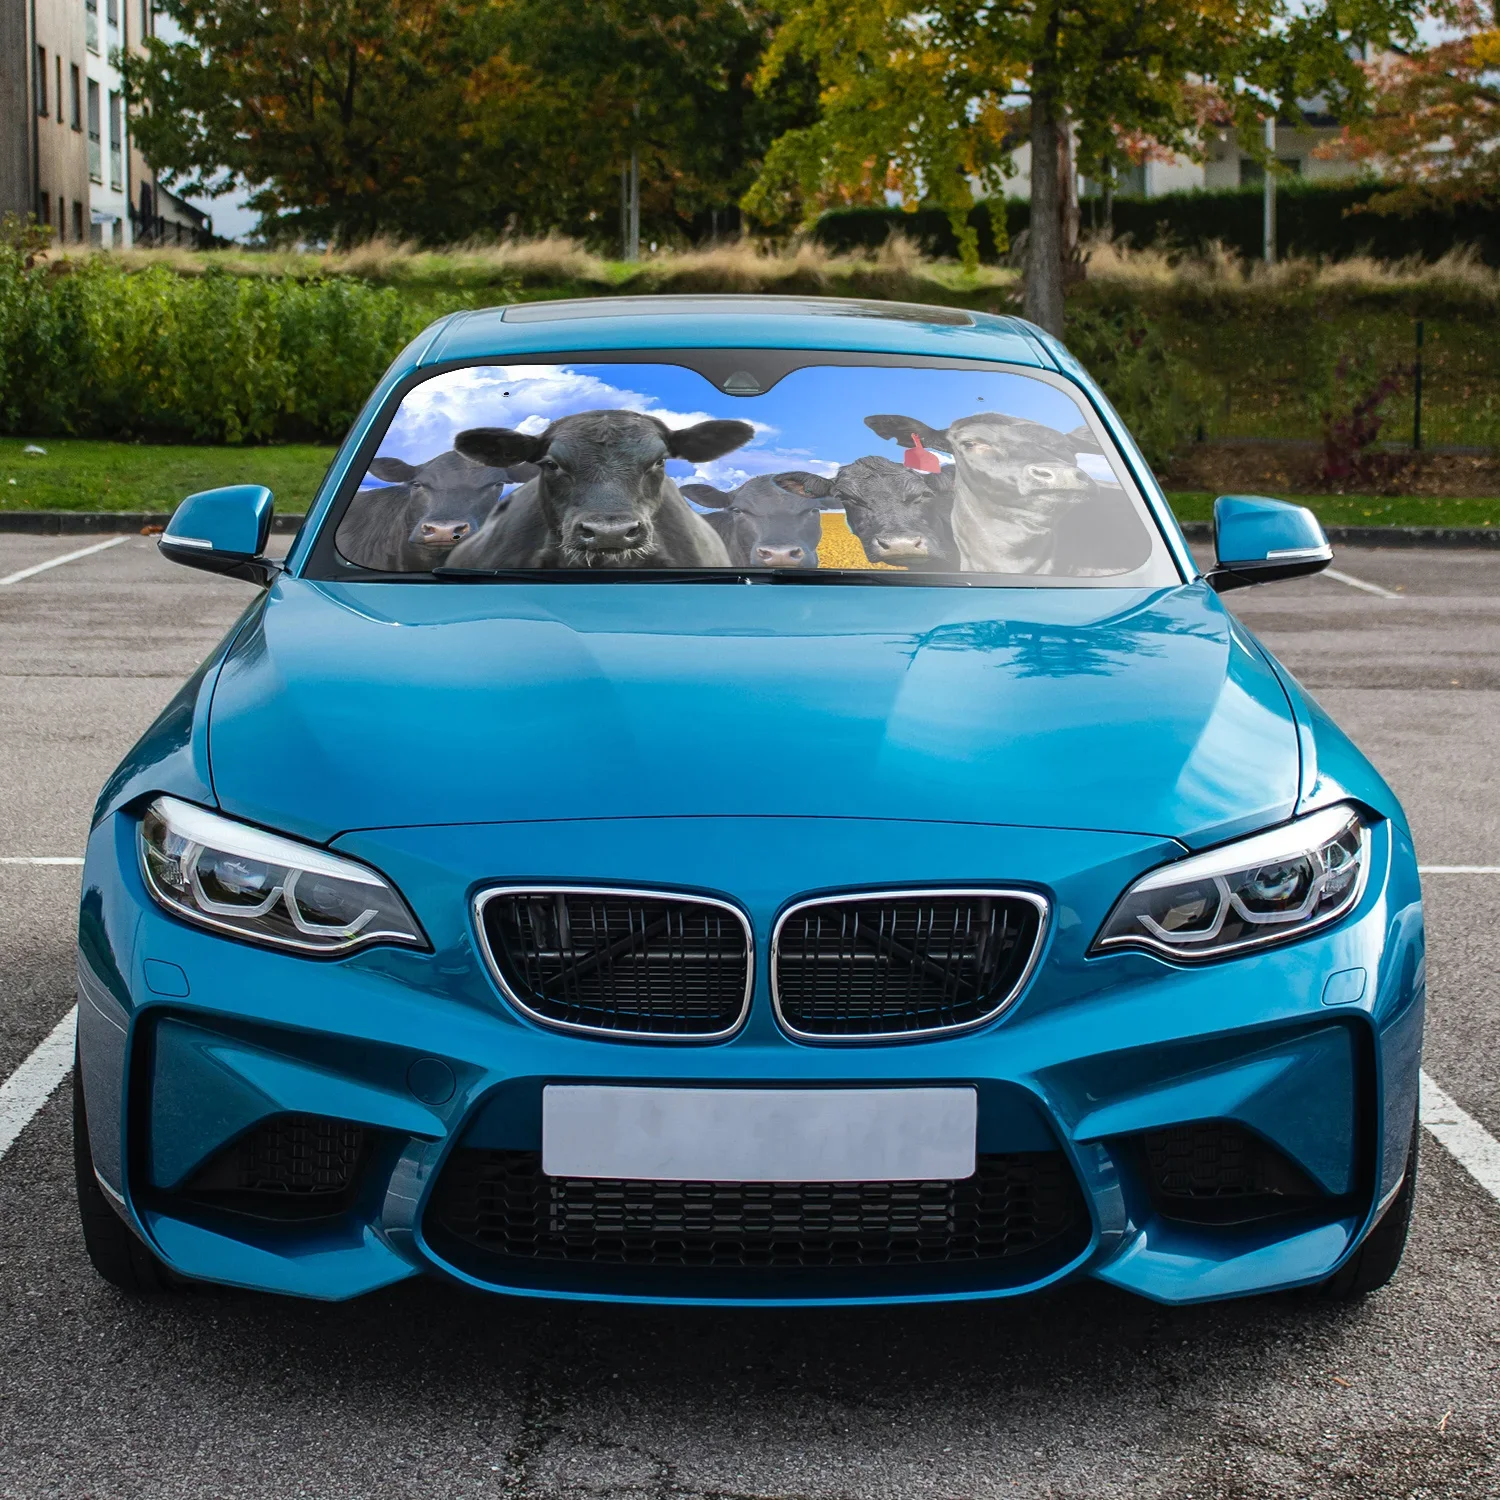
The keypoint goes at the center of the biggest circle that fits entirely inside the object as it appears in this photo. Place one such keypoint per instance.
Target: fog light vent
(1215, 1171)
(288, 1165)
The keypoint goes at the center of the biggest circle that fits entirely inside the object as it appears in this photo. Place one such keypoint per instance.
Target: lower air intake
(290, 1164)
(903, 964)
(502, 1203)
(1215, 1171)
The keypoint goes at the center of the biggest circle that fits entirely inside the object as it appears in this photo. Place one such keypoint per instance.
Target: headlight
(1261, 890)
(264, 888)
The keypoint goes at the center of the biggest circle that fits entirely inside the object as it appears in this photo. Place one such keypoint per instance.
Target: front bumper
(188, 1041)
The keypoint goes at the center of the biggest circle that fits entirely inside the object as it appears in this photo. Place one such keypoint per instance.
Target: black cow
(428, 510)
(901, 516)
(601, 497)
(770, 521)
(1021, 503)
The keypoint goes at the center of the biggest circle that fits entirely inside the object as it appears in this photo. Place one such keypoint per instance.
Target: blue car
(745, 801)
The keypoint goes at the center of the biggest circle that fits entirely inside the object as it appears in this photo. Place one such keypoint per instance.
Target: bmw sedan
(745, 801)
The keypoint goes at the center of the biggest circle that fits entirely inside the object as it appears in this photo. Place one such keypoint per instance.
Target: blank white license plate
(758, 1135)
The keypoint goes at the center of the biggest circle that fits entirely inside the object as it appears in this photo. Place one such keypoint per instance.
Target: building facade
(66, 153)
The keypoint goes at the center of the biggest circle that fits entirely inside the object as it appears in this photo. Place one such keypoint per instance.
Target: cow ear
(500, 447)
(705, 495)
(799, 482)
(705, 440)
(903, 429)
(394, 470)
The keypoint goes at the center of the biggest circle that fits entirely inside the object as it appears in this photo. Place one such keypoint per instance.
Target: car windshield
(642, 468)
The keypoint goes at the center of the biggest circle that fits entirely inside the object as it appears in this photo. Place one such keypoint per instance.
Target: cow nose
(611, 532)
(780, 557)
(901, 546)
(1044, 474)
(444, 533)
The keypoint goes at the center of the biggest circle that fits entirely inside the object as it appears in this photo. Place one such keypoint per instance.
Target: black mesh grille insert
(502, 1203)
(299, 1162)
(879, 966)
(1217, 1171)
(651, 965)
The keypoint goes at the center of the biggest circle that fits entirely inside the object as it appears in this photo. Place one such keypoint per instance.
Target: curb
(109, 522)
(113, 522)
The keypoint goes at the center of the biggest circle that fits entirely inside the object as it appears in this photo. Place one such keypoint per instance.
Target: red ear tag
(918, 457)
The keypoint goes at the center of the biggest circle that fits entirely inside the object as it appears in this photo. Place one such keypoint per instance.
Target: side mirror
(223, 531)
(1260, 541)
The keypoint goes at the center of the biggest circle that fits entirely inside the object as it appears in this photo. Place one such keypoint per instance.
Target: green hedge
(95, 351)
(1311, 219)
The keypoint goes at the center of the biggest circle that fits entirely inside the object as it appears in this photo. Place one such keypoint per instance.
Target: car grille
(902, 964)
(502, 1203)
(289, 1164)
(621, 962)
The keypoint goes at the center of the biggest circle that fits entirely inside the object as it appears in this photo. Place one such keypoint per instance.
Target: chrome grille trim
(528, 888)
(1041, 904)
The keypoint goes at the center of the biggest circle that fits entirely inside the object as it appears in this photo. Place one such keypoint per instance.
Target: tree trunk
(1068, 206)
(1043, 300)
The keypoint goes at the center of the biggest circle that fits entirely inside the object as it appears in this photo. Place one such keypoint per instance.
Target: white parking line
(57, 562)
(33, 1083)
(1359, 583)
(1468, 1142)
(1458, 869)
(40, 859)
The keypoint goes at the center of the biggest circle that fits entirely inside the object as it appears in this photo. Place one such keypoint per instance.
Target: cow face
(770, 521)
(900, 515)
(1001, 460)
(601, 475)
(451, 498)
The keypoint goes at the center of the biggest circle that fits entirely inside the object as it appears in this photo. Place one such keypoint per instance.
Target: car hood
(346, 706)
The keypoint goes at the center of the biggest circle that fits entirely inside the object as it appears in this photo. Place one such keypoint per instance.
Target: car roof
(730, 322)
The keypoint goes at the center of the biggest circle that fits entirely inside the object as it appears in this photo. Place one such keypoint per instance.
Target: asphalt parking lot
(424, 1391)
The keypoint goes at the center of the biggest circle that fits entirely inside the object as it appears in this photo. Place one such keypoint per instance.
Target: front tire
(117, 1255)
(1375, 1262)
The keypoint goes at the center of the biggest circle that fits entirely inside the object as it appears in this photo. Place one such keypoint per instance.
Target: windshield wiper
(858, 577)
(588, 575)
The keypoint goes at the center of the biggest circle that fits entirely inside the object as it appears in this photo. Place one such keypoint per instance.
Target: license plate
(758, 1135)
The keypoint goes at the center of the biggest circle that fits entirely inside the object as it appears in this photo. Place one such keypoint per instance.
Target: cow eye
(548, 465)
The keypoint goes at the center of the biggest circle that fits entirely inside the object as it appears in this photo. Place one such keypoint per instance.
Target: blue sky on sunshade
(812, 419)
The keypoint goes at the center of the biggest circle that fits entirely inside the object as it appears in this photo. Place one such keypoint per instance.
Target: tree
(930, 98)
(345, 117)
(438, 119)
(1434, 129)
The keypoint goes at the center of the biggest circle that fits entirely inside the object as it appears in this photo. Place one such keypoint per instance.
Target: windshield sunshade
(608, 469)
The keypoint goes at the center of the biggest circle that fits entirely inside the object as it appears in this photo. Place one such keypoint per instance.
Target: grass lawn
(1363, 510)
(79, 475)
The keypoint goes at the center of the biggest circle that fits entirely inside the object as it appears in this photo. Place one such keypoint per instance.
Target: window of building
(116, 143)
(75, 96)
(96, 155)
(78, 221)
(112, 13)
(145, 19)
(41, 81)
(46, 215)
(91, 24)
(59, 90)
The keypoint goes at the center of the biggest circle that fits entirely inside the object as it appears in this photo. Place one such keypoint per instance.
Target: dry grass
(555, 265)
(556, 261)
(1459, 275)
